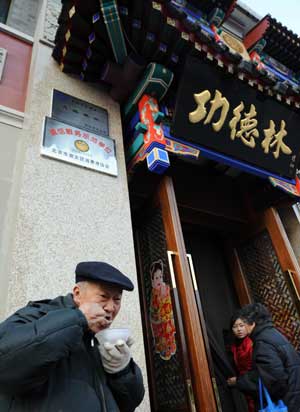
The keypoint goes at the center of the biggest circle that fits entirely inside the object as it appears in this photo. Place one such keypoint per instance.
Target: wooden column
(201, 380)
(282, 246)
(238, 277)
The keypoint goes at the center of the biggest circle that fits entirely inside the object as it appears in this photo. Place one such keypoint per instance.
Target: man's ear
(76, 294)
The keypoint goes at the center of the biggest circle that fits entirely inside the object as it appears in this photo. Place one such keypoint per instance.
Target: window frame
(6, 28)
(16, 33)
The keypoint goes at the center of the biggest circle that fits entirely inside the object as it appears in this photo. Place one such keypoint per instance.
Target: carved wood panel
(268, 284)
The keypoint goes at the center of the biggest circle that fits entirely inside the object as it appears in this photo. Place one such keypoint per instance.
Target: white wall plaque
(3, 54)
(71, 144)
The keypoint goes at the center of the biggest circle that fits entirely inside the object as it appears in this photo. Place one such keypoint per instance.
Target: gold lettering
(247, 131)
(218, 102)
(243, 125)
(271, 139)
(201, 99)
(236, 118)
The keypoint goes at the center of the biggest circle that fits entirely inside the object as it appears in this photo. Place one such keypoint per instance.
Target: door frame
(184, 292)
(199, 385)
(199, 366)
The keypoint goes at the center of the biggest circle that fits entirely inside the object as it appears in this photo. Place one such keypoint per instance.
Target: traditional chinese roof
(121, 42)
(282, 44)
(164, 32)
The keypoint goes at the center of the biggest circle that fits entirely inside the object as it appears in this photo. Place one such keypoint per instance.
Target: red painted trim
(255, 34)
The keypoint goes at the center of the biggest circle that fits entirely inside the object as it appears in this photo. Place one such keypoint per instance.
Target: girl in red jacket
(242, 354)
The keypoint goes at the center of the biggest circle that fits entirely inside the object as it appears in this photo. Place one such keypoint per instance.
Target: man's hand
(231, 381)
(95, 315)
(114, 357)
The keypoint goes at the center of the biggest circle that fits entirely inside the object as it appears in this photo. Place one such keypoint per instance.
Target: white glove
(115, 357)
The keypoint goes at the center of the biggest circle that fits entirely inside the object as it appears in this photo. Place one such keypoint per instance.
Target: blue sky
(285, 11)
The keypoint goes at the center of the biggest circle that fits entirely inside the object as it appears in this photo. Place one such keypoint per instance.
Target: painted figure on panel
(161, 313)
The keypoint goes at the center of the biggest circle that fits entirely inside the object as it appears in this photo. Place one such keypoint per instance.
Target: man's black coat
(48, 364)
(277, 363)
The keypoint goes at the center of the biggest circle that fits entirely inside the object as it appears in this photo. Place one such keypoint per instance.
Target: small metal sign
(75, 145)
(80, 113)
(3, 54)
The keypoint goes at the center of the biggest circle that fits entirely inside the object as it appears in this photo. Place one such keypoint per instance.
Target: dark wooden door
(178, 370)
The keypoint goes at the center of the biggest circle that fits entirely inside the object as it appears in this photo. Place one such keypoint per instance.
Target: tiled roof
(165, 32)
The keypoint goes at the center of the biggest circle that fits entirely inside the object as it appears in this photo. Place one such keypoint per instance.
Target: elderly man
(49, 357)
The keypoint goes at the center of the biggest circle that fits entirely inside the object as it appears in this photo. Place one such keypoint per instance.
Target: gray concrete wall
(10, 171)
(64, 213)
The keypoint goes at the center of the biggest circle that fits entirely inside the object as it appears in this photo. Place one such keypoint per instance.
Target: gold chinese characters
(243, 125)
(271, 139)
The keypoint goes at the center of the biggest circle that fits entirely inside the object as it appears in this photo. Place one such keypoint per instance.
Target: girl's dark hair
(236, 315)
(255, 312)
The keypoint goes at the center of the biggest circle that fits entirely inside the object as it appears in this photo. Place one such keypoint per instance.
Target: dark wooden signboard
(217, 111)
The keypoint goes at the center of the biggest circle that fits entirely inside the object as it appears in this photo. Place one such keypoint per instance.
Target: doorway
(219, 301)
(218, 297)
(204, 217)
(186, 379)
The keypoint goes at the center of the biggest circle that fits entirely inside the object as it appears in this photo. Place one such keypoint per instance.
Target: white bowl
(112, 335)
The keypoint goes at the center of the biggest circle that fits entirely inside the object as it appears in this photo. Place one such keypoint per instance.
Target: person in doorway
(49, 360)
(241, 351)
(274, 359)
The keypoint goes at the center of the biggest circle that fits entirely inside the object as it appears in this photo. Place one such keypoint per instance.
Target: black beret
(102, 272)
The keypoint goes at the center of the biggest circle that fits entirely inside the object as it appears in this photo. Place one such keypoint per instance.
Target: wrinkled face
(240, 329)
(108, 296)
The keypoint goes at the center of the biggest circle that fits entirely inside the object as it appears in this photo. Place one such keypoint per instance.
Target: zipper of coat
(97, 381)
(100, 384)
(103, 397)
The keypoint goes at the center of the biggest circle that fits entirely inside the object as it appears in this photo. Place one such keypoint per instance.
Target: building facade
(55, 214)
(196, 223)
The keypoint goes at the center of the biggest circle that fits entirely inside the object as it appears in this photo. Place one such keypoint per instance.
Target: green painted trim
(157, 78)
(114, 29)
(135, 146)
(141, 128)
(143, 84)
